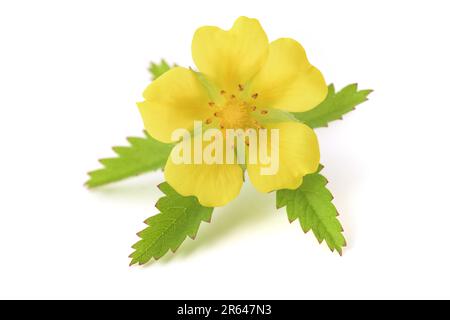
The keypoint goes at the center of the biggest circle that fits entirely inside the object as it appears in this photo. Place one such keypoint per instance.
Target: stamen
(263, 112)
(234, 112)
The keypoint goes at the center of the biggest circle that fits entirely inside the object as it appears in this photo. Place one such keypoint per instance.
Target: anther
(253, 108)
(211, 104)
(257, 125)
(255, 95)
(241, 87)
(233, 96)
(222, 92)
(216, 114)
(264, 112)
(208, 121)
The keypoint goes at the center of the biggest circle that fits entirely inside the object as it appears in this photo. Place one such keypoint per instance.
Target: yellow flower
(243, 82)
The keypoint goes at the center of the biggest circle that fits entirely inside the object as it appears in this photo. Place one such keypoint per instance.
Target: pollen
(233, 110)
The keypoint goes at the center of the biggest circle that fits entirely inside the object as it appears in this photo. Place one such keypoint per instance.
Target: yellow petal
(174, 100)
(230, 58)
(287, 80)
(214, 185)
(298, 155)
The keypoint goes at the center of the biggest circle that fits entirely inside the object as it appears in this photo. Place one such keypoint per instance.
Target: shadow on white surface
(245, 214)
(139, 189)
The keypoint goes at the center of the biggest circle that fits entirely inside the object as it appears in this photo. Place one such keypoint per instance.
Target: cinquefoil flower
(243, 82)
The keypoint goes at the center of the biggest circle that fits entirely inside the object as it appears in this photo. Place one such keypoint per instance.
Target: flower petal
(287, 80)
(174, 100)
(214, 185)
(298, 156)
(230, 58)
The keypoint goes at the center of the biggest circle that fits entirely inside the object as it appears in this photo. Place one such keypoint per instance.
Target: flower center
(235, 112)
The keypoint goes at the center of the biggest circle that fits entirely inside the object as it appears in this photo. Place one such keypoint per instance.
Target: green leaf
(311, 205)
(143, 154)
(180, 217)
(157, 69)
(334, 106)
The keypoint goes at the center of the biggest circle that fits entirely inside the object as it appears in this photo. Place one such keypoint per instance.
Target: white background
(70, 74)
